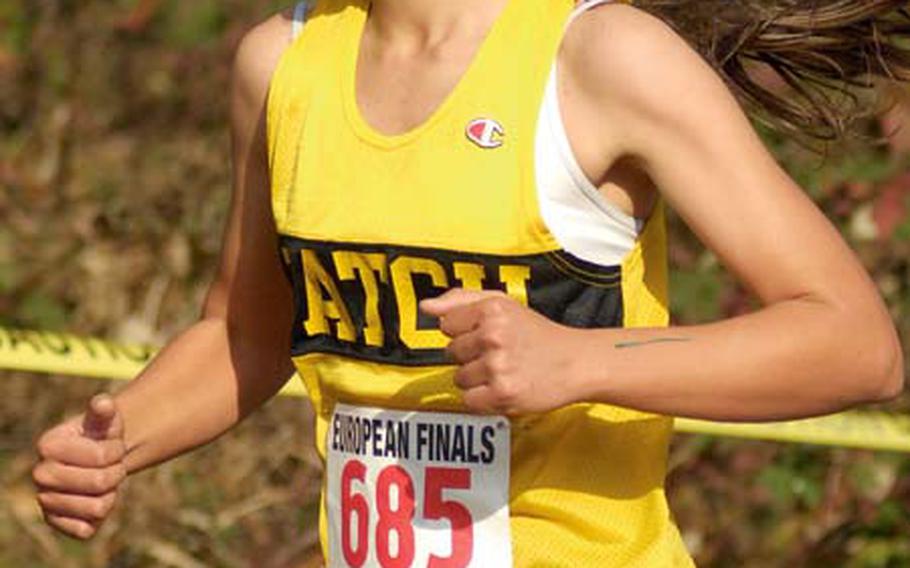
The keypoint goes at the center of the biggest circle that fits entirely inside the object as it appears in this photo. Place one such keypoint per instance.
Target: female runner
(467, 200)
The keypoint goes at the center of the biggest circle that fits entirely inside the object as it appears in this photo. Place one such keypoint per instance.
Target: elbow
(869, 358)
(889, 377)
(882, 375)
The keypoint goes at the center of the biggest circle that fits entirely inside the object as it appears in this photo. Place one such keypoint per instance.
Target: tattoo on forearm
(628, 344)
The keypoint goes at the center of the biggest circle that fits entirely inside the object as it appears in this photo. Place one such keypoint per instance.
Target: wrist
(584, 365)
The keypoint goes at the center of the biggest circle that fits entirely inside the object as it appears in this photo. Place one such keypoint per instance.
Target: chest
(397, 92)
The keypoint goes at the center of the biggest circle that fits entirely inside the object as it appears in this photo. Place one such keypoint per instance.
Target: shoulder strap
(583, 7)
(300, 14)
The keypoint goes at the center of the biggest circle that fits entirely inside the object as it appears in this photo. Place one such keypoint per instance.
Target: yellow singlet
(371, 224)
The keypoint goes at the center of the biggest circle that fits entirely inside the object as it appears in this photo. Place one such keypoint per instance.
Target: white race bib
(417, 489)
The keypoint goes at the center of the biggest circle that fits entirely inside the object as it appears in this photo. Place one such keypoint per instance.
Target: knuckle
(460, 379)
(506, 393)
(44, 499)
(98, 482)
(50, 519)
(473, 402)
(445, 326)
(115, 452)
(493, 307)
(497, 365)
(509, 410)
(114, 476)
(44, 446)
(493, 337)
(54, 524)
(489, 368)
(111, 453)
(83, 531)
(98, 455)
(99, 509)
(451, 351)
(41, 474)
(66, 526)
(110, 501)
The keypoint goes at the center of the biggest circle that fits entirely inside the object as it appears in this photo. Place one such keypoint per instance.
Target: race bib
(417, 489)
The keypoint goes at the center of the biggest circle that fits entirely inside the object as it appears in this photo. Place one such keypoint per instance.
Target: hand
(81, 468)
(511, 359)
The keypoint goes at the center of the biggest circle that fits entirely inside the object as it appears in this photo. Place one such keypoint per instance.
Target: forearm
(793, 359)
(199, 386)
(237, 355)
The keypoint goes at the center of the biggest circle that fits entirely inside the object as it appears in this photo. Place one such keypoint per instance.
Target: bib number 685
(398, 518)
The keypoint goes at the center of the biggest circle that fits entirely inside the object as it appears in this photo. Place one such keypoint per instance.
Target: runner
(468, 202)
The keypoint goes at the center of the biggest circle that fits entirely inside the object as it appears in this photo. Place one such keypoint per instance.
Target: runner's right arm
(214, 373)
(237, 356)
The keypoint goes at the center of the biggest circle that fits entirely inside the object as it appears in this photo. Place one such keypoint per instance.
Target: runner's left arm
(822, 341)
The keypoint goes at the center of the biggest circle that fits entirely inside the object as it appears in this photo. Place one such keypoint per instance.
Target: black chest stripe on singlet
(361, 300)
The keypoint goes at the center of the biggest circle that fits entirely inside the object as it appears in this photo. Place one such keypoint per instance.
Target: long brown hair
(824, 54)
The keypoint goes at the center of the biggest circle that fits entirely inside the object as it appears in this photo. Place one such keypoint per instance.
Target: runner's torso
(474, 197)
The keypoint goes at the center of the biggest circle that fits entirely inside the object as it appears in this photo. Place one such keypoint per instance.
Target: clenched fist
(80, 469)
(511, 359)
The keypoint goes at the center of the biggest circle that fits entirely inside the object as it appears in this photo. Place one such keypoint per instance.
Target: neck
(423, 23)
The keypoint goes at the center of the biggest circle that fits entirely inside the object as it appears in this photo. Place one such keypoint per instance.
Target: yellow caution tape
(62, 353)
(854, 429)
(66, 354)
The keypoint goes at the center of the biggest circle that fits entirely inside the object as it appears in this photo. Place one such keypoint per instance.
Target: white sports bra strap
(583, 7)
(300, 11)
(583, 221)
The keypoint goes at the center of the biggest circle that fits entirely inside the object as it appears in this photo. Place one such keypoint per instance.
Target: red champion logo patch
(485, 132)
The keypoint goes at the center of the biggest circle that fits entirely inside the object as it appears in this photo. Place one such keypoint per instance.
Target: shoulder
(635, 66)
(257, 55)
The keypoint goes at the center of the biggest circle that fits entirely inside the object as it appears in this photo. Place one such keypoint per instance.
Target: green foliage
(41, 311)
(14, 27)
(189, 24)
(9, 275)
(696, 292)
(796, 478)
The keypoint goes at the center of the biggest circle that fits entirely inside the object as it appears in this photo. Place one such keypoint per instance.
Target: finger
(102, 420)
(472, 375)
(84, 507)
(466, 347)
(479, 400)
(53, 476)
(76, 528)
(82, 452)
(455, 298)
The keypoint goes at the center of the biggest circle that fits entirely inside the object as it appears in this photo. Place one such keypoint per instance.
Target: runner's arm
(822, 342)
(236, 356)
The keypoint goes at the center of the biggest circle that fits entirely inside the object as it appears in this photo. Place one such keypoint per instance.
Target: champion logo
(485, 132)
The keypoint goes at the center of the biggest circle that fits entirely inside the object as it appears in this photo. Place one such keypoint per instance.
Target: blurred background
(114, 183)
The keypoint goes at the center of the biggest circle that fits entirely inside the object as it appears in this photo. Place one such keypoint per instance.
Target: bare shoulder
(257, 55)
(631, 60)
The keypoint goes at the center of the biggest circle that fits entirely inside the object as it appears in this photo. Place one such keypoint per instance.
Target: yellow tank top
(371, 224)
